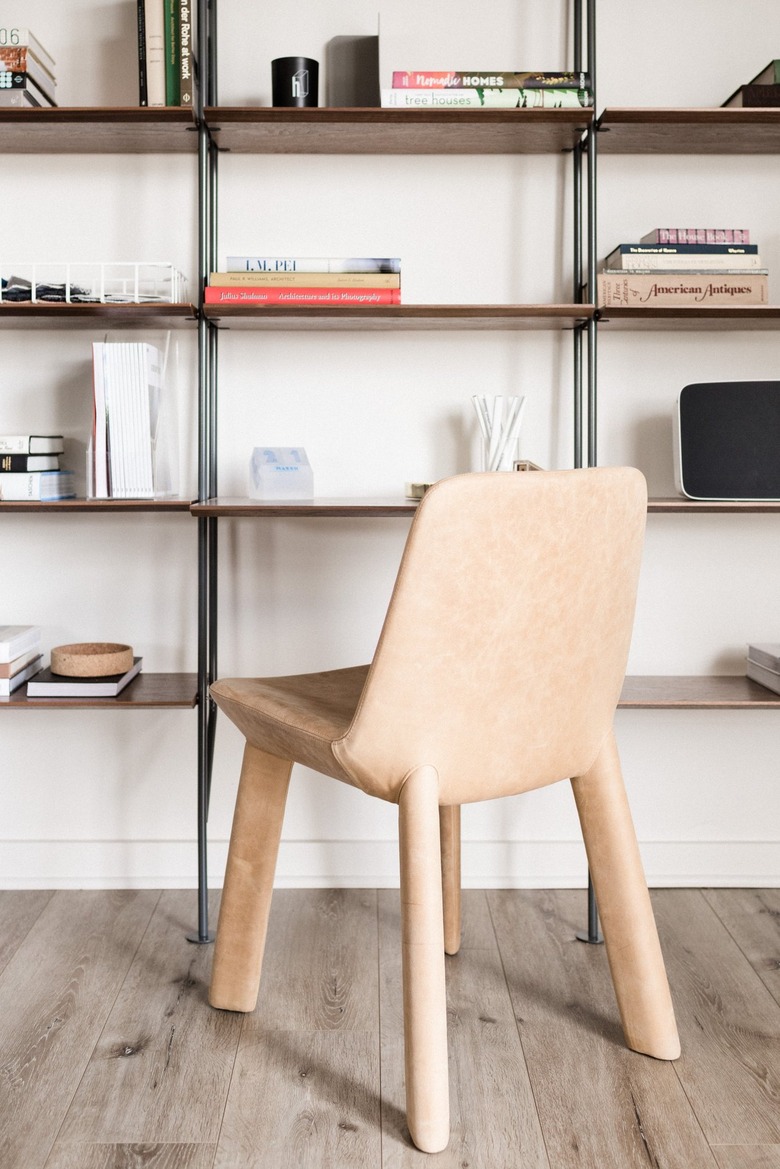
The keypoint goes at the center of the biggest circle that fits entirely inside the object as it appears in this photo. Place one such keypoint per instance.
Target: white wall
(108, 798)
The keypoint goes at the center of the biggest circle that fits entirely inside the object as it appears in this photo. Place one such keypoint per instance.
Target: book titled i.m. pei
(312, 264)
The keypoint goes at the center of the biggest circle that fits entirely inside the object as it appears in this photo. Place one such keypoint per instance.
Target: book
(764, 675)
(127, 389)
(46, 684)
(41, 486)
(154, 51)
(754, 97)
(21, 62)
(16, 640)
(309, 264)
(337, 297)
(14, 38)
(10, 669)
(29, 462)
(172, 52)
(305, 279)
(143, 88)
(474, 79)
(640, 290)
(501, 99)
(8, 685)
(684, 257)
(697, 235)
(766, 654)
(31, 444)
(186, 91)
(769, 75)
(19, 97)
(11, 83)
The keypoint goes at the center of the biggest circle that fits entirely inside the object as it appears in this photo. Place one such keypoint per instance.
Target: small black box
(728, 440)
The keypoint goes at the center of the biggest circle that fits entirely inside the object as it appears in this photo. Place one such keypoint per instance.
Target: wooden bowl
(91, 659)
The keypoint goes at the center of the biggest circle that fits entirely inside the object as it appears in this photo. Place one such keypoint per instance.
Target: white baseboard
(549, 864)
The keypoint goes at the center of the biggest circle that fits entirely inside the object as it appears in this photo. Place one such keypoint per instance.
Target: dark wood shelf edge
(146, 692)
(691, 692)
(678, 504)
(324, 508)
(90, 506)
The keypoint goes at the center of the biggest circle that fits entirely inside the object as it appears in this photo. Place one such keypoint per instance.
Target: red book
(292, 296)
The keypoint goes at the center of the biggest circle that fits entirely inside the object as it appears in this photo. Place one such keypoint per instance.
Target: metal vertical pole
(593, 934)
(205, 370)
(577, 253)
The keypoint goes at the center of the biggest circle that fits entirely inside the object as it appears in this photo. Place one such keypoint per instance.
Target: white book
(112, 381)
(99, 425)
(497, 99)
(16, 640)
(154, 18)
(36, 486)
(8, 685)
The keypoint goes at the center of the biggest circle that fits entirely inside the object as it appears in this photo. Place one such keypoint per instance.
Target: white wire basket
(131, 282)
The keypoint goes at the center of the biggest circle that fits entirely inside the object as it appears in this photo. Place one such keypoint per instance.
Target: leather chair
(498, 670)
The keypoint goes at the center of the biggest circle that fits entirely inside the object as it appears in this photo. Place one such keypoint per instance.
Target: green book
(172, 54)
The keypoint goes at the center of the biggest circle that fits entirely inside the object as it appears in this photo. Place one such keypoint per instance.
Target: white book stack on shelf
(20, 656)
(26, 69)
(126, 457)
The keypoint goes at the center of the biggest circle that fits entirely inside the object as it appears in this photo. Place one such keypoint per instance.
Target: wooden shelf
(90, 506)
(103, 316)
(402, 316)
(704, 318)
(146, 692)
(356, 508)
(689, 131)
(715, 692)
(679, 503)
(264, 130)
(93, 130)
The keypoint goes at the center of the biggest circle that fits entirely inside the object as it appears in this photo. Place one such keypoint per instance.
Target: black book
(143, 91)
(29, 462)
(46, 684)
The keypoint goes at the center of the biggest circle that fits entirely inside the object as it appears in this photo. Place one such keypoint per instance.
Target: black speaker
(728, 440)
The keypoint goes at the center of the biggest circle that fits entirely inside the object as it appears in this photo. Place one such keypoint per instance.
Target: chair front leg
(249, 878)
(634, 952)
(425, 998)
(449, 835)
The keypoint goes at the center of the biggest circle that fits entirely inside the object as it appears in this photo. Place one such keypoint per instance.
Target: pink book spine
(702, 235)
(336, 297)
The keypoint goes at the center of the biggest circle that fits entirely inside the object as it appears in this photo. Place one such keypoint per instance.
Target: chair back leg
(634, 952)
(449, 835)
(249, 879)
(425, 997)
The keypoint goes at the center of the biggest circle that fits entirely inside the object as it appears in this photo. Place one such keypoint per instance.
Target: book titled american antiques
(305, 279)
(312, 264)
(477, 98)
(697, 235)
(667, 290)
(474, 79)
(336, 297)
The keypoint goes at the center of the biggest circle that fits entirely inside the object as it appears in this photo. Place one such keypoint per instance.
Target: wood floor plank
(320, 968)
(303, 1100)
(132, 1157)
(19, 911)
(161, 1069)
(601, 1105)
(747, 1156)
(729, 1025)
(493, 1121)
(55, 995)
(752, 917)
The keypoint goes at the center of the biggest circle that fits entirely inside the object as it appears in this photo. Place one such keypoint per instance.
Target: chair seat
(295, 717)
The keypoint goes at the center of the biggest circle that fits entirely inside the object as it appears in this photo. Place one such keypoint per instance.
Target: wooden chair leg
(449, 835)
(425, 998)
(630, 934)
(249, 878)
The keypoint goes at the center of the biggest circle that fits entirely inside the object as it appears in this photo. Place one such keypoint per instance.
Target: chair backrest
(504, 647)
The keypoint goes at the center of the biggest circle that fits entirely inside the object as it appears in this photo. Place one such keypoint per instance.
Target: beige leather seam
(411, 772)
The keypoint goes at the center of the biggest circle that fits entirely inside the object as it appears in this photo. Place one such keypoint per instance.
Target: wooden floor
(110, 1057)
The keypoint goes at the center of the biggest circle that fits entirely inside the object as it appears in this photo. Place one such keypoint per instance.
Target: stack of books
(127, 379)
(685, 267)
(489, 90)
(20, 656)
(291, 281)
(26, 70)
(165, 58)
(763, 90)
(763, 665)
(30, 468)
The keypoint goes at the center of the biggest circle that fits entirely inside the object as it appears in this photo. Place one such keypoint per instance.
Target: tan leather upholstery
(498, 670)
